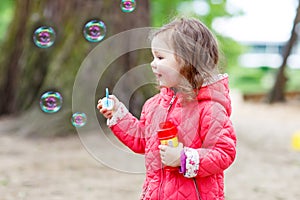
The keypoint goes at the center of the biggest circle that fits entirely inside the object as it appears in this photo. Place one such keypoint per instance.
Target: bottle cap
(167, 130)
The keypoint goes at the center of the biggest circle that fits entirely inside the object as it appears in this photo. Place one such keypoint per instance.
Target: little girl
(195, 98)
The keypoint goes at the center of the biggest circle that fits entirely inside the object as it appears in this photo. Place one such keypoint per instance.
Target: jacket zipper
(170, 106)
(162, 167)
(162, 181)
(197, 189)
(171, 102)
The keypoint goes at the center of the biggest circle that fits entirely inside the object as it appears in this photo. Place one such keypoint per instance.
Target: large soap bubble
(94, 31)
(78, 119)
(128, 5)
(51, 102)
(44, 37)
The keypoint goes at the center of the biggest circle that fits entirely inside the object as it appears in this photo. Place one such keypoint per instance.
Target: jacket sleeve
(131, 131)
(218, 149)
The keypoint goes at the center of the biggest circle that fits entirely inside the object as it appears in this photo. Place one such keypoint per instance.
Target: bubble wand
(107, 94)
(107, 103)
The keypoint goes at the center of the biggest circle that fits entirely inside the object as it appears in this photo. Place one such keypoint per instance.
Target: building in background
(268, 54)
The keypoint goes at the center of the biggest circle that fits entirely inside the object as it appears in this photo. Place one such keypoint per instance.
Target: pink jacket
(203, 126)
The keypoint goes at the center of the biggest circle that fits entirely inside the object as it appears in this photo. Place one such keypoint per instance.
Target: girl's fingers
(106, 113)
(99, 105)
(103, 110)
(114, 98)
(109, 115)
(162, 147)
(162, 151)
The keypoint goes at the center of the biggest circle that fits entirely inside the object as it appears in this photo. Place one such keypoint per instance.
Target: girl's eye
(160, 57)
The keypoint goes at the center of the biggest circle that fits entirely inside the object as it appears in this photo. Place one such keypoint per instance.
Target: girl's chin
(163, 84)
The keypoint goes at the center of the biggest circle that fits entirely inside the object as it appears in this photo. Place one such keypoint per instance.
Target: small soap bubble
(44, 37)
(94, 31)
(78, 119)
(128, 5)
(51, 102)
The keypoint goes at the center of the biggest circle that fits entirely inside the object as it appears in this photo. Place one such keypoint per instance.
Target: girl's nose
(152, 64)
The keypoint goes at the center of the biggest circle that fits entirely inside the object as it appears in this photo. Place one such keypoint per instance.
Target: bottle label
(173, 142)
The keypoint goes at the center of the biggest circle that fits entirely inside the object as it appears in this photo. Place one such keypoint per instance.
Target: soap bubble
(128, 5)
(44, 37)
(78, 119)
(94, 31)
(51, 102)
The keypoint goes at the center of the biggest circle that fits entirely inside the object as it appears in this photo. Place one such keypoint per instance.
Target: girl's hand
(170, 156)
(104, 111)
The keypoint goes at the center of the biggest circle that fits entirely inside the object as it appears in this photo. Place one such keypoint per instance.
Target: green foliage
(293, 83)
(250, 80)
(261, 80)
(161, 11)
(6, 13)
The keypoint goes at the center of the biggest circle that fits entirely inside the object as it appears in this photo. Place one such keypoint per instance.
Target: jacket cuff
(117, 115)
(182, 168)
(191, 162)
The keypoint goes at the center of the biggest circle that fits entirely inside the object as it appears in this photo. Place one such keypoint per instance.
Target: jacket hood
(217, 91)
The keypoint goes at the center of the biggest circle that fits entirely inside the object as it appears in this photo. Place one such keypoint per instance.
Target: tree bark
(277, 93)
(28, 71)
(10, 66)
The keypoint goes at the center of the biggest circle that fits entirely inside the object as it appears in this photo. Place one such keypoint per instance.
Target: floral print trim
(191, 163)
(117, 115)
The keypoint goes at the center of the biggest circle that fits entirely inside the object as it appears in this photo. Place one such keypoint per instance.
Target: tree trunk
(10, 66)
(277, 93)
(28, 71)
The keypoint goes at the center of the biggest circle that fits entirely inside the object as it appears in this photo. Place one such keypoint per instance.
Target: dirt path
(266, 166)
(61, 169)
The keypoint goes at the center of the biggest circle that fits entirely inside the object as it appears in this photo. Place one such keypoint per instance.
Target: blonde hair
(196, 48)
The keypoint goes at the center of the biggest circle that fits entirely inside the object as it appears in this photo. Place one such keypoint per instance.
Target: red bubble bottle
(167, 135)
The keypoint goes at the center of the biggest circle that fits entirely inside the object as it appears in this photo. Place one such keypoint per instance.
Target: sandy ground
(266, 167)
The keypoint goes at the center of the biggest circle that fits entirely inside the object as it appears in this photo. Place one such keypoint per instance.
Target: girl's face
(164, 65)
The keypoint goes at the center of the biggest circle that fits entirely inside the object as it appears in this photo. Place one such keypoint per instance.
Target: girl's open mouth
(157, 75)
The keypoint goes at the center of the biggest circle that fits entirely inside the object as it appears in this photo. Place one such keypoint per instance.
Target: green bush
(261, 80)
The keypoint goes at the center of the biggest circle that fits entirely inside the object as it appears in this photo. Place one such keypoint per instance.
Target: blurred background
(40, 154)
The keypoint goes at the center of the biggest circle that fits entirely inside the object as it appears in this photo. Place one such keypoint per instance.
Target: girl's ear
(180, 61)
